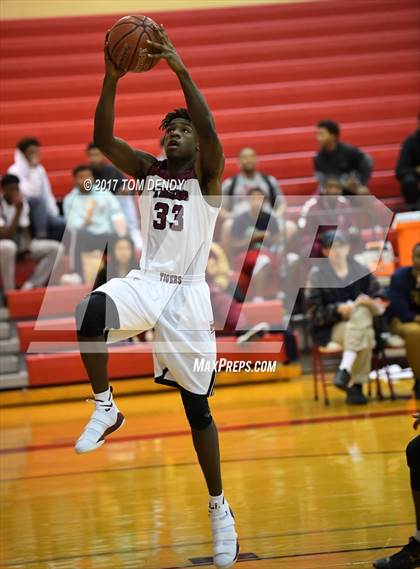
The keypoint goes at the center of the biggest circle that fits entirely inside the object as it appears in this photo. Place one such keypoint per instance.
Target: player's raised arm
(120, 153)
(210, 159)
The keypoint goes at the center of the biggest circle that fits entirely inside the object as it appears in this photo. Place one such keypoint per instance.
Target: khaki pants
(357, 334)
(45, 251)
(410, 331)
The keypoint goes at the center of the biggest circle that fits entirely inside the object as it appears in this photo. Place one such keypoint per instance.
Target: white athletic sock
(104, 395)
(347, 360)
(216, 503)
(417, 535)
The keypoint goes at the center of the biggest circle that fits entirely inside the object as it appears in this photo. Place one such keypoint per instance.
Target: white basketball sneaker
(106, 419)
(225, 538)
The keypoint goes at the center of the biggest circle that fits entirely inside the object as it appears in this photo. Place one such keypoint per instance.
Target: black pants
(410, 187)
(43, 224)
(413, 461)
(86, 241)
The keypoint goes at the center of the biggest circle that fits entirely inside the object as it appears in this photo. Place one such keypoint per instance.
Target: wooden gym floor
(312, 487)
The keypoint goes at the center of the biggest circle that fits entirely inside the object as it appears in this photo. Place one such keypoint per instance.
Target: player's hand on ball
(165, 50)
(111, 70)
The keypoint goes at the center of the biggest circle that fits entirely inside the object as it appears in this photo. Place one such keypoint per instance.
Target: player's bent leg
(206, 444)
(94, 315)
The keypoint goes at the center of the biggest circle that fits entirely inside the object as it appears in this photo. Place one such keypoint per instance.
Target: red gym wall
(269, 73)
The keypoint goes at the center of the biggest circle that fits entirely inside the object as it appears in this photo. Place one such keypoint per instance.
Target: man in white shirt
(247, 179)
(34, 184)
(15, 239)
(236, 189)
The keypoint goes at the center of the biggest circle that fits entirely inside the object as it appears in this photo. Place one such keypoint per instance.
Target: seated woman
(121, 259)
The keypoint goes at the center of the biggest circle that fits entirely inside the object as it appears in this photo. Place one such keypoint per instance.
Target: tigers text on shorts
(182, 318)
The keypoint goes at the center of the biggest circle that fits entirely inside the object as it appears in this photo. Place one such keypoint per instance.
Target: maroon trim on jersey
(160, 168)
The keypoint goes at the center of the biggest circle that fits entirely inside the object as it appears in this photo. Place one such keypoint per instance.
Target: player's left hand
(163, 49)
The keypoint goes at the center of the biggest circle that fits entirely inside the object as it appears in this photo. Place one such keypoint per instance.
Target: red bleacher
(57, 329)
(61, 300)
(125, 361)
(269, 73)
(267, 83)
(134, 361)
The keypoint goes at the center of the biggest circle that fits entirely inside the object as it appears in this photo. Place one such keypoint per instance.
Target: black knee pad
(95, 314)
(413, 461)
(197, 410)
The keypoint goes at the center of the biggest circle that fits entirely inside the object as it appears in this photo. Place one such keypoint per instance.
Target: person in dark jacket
(407, 170)
(342, 302)
(343, 161)
(404, 312)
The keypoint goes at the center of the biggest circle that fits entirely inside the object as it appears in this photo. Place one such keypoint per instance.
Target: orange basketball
(127, 43)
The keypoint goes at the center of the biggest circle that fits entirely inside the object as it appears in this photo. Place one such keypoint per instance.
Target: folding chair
(323, 358)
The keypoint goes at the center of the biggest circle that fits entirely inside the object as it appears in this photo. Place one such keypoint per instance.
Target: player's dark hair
(9, 180)
(92, 146)
(25, 143)
(331, 126)
(81, 168)
(333, 181)
(416, 246)
(175, 114)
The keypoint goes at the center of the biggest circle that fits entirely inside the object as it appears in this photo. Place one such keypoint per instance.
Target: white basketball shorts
(179, 310)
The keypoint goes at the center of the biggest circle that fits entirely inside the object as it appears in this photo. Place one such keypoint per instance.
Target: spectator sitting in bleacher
(121, 259)
(254, 236)
(248, 178)
(342, 302)
(343, 161)
(93, 216)
(239, 185)
(218, 269)
(404, 312)
(322, 213)
(226, 300)
(111, 179)
(15, 239)
(46, 222)
(408, 168)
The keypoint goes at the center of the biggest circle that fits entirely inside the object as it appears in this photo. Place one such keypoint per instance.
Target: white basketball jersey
(177, 224)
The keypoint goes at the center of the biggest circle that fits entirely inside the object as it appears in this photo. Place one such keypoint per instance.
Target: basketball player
(178, 208)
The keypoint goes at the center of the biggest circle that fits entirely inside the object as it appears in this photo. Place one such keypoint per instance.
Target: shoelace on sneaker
(107, 405)
(97, 426)
(102, 404)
